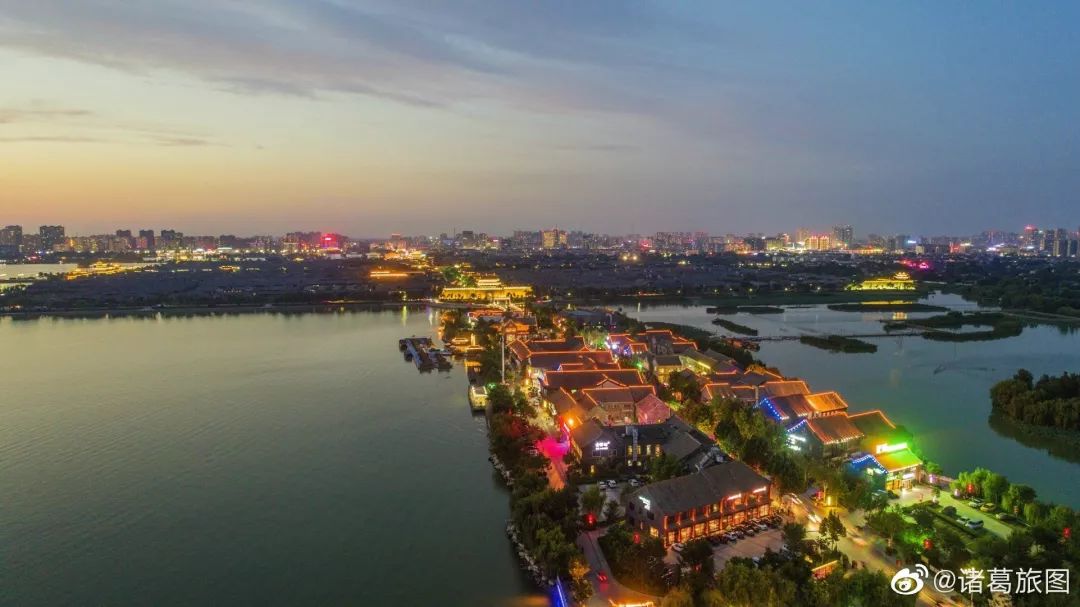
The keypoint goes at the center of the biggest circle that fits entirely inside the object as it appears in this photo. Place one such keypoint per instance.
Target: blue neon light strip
(560, 594)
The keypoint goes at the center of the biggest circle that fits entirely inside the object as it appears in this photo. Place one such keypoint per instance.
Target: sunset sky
(372, 117)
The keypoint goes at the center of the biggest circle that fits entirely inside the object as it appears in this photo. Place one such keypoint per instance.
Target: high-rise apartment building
(554, 239)
(844, 236)
(11, 236)
(51, 237)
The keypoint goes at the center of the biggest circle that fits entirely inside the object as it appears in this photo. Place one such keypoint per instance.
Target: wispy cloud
(38, 112)
(595, 147)
(51, 139)
(86, 126)
(572, 57)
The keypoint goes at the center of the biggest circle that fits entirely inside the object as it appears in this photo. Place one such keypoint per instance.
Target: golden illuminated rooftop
(901, 281)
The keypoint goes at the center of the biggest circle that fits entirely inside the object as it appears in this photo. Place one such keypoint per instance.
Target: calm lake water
(244, 460)
(940, 391)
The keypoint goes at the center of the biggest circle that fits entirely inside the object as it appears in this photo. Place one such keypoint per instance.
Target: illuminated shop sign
(887, 448)
(645, 502)
(601, 445)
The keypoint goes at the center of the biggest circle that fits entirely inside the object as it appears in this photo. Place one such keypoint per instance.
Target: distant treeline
(1050, 401)
(1049, 290)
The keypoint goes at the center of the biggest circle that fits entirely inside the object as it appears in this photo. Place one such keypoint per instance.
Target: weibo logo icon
(906, 582)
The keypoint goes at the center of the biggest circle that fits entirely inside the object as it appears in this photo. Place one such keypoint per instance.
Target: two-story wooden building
(701, 504)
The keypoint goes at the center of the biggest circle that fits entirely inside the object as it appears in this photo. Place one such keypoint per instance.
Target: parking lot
(748, 547)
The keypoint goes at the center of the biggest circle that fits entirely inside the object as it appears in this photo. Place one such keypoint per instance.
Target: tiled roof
(872, 423)
(668, 360)
(562, 401)
(756, 378)
(897, 460)
(827, 402)
(550, 361)
(519, 350)
(784, 388)
(556, 345)
(709, 486)
(833, 429)
(711, 391)
(587, 433)
(628, 394)
(789, 407)
(652, 410)
(576, 380)
(745, 393)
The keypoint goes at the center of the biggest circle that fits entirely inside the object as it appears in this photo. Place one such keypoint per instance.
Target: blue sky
(371, 117)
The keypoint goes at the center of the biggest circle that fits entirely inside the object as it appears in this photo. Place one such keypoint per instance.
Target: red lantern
(637, 537)
(927, 544)
(1066, 532)
(971, 488)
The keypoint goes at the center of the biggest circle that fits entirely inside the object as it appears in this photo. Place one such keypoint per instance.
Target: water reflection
(1055, 442)
(939, 390)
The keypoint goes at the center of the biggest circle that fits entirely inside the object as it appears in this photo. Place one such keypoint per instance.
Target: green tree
(678, 598)
(1016, 496)
(592, 500)
(833, 529)
(636, 564)
(580, 586)
(741, 584)
(994, 487)
(887, 523)
(923, 518)
(794, 536)
(865, 588)
(664, 467)
(611, 511)
(698, 556)
(687, 387)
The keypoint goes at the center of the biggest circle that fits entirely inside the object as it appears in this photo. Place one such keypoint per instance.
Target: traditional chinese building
(701, 504)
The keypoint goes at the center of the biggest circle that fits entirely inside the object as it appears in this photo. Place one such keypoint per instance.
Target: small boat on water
(478, 397)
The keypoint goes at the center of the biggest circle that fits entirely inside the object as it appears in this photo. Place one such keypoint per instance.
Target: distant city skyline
(846, 233)
(367, 118)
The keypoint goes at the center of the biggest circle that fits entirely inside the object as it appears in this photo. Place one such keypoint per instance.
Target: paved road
(610, 592)
(858, 546)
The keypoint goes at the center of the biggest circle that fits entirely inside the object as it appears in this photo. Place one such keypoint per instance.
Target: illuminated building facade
(901, 281)
(701, 504)
(599, 447)
(486, 290)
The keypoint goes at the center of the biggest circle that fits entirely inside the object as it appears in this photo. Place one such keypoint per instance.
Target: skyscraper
(843, 235)
(10, 242)
(11, 236)
(51, 237)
